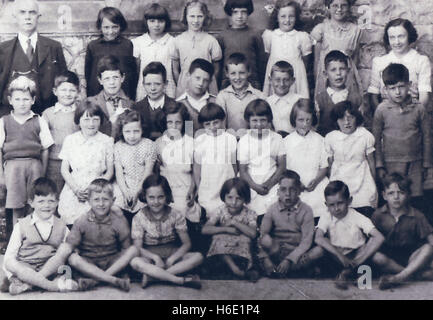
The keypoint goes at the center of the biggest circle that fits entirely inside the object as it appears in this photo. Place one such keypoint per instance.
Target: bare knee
(266, 242)
(380, 259)
(74, 259)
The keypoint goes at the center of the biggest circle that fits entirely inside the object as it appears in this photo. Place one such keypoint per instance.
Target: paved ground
(264, 289)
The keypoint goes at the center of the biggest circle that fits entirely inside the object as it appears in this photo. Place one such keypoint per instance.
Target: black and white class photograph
(216, 150)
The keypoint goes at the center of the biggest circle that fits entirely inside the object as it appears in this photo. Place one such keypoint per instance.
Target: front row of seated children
(398, 240)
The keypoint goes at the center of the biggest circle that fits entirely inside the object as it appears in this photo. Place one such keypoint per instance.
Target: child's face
(239, 18)
(156, 26)
(347, 124)
(398, 39)
(238, 75)
(234, 202)
(336, 73)
(27, 16)
(89, 124)
(156, 199)
(281, 82)
(288, 193)
(44, 206)
(101, 203)
(212, 126)
(195, 18)
(154, 86)
(395, 197)
(398, 92)
(111, 81)
(132, 132)
(287, 18)
(21, 102)
(174, 124)
(66, 93)
(337, 205)
(198, 82)
(303, 122)
(339, 10)
(259, 123)
(110, 30)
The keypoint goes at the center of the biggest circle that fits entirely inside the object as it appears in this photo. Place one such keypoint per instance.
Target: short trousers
(163, 250)
(19, 177)
(413, 170)
(104, 262)
(399, 255)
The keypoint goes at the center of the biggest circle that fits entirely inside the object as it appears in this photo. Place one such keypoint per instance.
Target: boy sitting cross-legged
(346, 231)
(102, 238)
(36, 249)
(408, 248)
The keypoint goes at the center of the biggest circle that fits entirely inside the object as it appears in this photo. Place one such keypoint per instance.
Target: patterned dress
(238, 245)
(133, 160)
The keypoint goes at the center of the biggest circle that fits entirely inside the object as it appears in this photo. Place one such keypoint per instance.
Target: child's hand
(311, 186)
(345, 262)
(190, 198)
(261, 189)
(284, 266)
(169, 262)
(158, 261)
(82, 195)
(233, 231)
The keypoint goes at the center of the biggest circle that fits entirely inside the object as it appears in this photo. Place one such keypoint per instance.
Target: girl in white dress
(399, 35)
(214, 157)
(306, 155)
(286, 43)
(86, 155)
(154, 45)
(351, 156)
(134, 158)
(261, 157)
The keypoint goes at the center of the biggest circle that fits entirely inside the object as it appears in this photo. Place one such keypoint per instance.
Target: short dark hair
(258, 107)
(207, 20)
(155, 180)
(403, 182)
(237, 58)
(335, 187)
(339, 110)
(101, 185)
(174, 108)
(108, 63)
(67, 76)
(305, 105)
(202, 64)
(90, 108)
(411, 31)
(43, 187)
(290, 174)
(336, 55)
(394, 73)
(158, 12)
(283, 66)
(127, 117)
(242, 188)
(211, 111)
(235, 4)
(282, 4)
(155, 67)
(114, 15)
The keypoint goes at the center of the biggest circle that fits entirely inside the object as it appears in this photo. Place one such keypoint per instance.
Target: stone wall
(73, 22)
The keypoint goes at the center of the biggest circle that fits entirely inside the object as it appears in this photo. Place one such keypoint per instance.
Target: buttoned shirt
(157, 104)
(23, 39)
(337, 96)
(196, 104)
(58, 107)
(281, 109)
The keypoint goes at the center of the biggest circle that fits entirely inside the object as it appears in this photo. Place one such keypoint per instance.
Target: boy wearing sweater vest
(60, 119)
(24, 142)
(36, 250)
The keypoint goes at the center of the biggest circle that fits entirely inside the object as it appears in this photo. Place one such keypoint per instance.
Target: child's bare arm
(321, 174)
(210, 228)
(175, 67)
(373, 244)
(424, 98)
(182, 250)
(110, 170)
(216, 65)
(430, 239)
(196, 171)
(246, 230)
(281, 166)
(325, 243)
(66, 174)
(244, 174)
(44, 160)
(372, 164)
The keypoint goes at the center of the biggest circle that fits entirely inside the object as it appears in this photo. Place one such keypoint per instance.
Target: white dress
(261, 157)
(289, 46)
(88, 159)
(306, 156)
(351, 166)
(149, 50)
(216, 156)
(176, 158)
(417, 64)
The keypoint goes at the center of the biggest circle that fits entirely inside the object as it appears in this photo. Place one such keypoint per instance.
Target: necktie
(29, 50)
(115, 102)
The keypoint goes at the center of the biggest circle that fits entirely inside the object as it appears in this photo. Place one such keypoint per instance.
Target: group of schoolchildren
(274, 183)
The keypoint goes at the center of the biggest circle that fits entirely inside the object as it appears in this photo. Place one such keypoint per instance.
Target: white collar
(149, 41)
(337, 96)
(60, 107)
(196, 104)
(23, 40)
(22, 121)
(35, 219)
(157, 104)
(280, 32)
(288, 97)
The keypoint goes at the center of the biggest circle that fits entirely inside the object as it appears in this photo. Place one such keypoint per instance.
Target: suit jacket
(51, 62)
